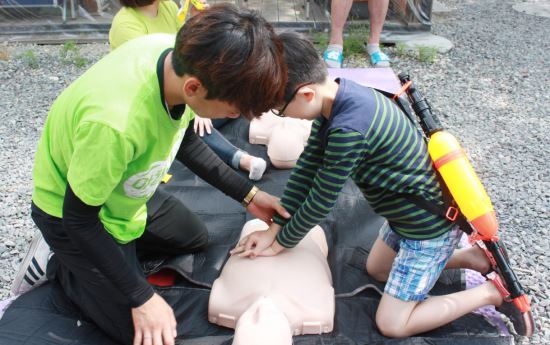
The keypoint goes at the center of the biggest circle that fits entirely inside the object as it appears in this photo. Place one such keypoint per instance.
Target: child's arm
(302, 175)
(342, 153)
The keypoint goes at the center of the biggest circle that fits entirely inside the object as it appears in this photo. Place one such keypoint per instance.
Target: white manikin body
(269, 299)
(284, 137)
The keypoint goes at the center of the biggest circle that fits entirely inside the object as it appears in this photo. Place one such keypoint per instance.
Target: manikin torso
(269, 299)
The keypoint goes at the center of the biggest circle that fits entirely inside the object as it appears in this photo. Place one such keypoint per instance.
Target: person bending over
(359, 133)
(110, 137)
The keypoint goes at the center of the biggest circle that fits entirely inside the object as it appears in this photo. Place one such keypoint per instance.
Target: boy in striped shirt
(363, 135)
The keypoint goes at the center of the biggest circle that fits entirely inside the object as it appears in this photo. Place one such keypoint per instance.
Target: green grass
(70, 54)
(29, 58)
(319, 39)
(401, 49)
(356, 39)
(427, 54)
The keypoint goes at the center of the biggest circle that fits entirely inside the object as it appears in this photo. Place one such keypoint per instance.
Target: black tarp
(44, 315)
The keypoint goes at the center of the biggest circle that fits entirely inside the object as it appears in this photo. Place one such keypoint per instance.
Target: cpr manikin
(284, 137)
(267, 300)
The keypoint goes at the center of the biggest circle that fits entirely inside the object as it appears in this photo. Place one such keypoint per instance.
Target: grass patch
(356, 39)
(29, 58)
(70, 54)
(427, 54)
(319, 38)
(401, 49)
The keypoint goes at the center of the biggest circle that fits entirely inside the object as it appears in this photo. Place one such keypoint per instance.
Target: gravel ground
(492, 91)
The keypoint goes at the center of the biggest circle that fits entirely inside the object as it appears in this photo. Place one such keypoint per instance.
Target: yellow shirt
(130, 23)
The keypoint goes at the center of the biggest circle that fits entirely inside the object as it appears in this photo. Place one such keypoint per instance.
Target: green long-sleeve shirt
(368, 139)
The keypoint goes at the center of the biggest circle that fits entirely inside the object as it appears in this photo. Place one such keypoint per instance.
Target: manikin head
(285, 138)
(227, 61)
(263, 323)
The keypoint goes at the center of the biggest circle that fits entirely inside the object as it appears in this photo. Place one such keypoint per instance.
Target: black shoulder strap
(429, 206)
(402, 103)
(442, 210)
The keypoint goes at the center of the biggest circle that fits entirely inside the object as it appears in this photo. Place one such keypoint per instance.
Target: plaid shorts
(418, 263)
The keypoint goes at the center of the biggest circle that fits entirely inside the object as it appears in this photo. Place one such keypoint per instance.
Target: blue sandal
(379, 59)
(333, 58)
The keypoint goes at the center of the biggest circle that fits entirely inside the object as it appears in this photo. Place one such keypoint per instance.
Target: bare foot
(473, 258)
(476, 259)
(495, 298)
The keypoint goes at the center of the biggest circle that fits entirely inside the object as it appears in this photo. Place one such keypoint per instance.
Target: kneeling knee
(388, 326)
(377, 273)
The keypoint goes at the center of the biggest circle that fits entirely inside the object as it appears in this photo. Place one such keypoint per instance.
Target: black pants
(171, 229)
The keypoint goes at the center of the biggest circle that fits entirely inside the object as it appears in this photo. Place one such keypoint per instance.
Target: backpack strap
(448, 210)
(402, 103)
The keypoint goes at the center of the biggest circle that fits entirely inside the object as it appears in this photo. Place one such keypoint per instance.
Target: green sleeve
(342, 154)
(98, 162)
(302, 175)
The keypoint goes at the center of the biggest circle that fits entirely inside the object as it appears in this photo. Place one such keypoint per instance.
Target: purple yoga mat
(5, 304)
(380, 78)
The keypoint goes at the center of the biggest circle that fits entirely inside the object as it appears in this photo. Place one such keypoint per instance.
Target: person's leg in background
(339, 11)
(377, 15)
(234, 156)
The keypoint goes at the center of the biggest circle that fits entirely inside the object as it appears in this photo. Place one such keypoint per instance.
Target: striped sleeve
(302, 175)
(343, 151)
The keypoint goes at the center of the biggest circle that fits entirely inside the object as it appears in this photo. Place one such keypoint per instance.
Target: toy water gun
(468, 204)
(184, 8)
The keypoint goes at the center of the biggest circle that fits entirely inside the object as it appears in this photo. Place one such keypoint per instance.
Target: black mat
(44, 316)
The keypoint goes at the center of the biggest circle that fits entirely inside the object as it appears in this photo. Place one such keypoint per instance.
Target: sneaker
(379, 59)
(333, 58)
(32, 271)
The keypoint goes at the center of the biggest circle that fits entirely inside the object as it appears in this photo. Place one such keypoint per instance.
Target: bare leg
(339, 11)
(396, 318)
(472, 258)
(377, 15)
(380, 260)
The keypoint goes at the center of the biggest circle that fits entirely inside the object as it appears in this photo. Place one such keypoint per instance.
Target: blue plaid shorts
(418, 263)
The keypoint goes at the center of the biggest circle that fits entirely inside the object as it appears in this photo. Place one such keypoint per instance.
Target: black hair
(236, 55)
(303, 61)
